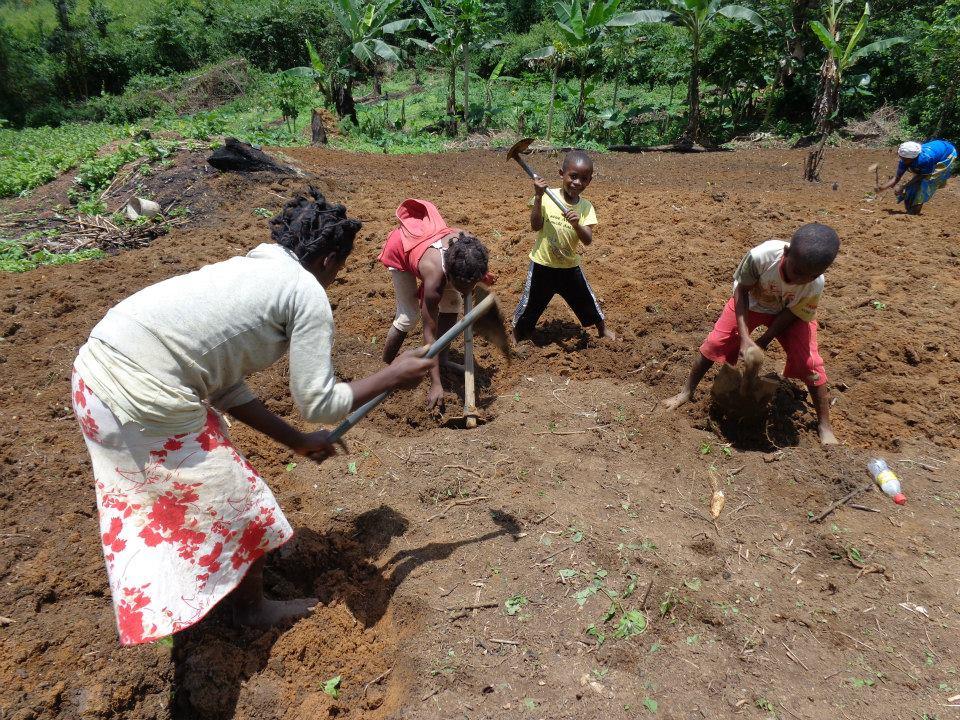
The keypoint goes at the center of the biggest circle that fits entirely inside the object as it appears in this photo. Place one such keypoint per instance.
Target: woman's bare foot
(826, 434)
(268, 613)
(681, 398)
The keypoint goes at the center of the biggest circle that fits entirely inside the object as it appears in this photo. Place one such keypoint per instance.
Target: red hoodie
(421, 225)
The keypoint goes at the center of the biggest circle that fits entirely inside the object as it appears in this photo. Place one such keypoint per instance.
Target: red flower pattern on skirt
(181, 525)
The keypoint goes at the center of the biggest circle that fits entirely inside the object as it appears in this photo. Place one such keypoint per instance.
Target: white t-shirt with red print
(762, 271)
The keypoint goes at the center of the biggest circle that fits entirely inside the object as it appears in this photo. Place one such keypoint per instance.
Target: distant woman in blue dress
(931, 165)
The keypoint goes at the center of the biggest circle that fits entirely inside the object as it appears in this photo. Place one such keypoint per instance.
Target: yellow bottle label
(885, 476)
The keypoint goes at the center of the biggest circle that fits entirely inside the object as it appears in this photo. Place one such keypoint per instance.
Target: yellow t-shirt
(557, 241)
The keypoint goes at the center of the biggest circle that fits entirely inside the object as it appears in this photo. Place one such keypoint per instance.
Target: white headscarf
(909, 150)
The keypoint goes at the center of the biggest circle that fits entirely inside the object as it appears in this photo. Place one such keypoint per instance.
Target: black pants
(542, 284)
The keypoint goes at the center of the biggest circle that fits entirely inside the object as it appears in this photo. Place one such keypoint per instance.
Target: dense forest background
(119, 61)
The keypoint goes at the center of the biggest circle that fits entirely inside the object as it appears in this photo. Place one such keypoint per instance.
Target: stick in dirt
(845, 499)
(469, 390)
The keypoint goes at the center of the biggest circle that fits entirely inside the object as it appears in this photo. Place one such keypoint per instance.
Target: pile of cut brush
(60, 234)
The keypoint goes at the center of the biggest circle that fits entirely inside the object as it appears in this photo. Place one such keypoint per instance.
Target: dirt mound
(558, 561)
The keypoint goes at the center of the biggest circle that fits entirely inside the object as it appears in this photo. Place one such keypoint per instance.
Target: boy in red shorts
(777, 285)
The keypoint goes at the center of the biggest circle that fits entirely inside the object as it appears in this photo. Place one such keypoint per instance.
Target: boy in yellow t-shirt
(554, 262)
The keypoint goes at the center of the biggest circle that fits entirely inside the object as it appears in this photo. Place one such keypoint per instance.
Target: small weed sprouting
(332, 687)
(514, 604)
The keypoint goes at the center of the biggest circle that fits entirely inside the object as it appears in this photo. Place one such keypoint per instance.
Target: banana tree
(458, 28)
(554, 57)
(316, 71)
(836, 62)
(367, 25)
(696, 16)
(582, 27)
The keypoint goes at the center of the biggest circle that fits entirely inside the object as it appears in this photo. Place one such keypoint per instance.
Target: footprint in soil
(214, 660)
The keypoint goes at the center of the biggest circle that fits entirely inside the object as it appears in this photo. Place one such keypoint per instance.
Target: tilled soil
(495, 572)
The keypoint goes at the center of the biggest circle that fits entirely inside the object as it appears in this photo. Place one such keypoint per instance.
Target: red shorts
(799, 341)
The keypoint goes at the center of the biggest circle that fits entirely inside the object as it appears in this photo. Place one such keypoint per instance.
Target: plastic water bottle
(887, 480)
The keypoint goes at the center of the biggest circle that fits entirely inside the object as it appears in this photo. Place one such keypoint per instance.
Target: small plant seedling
(597, 634)
(516, 397)
(600, 673)
(530, 704)
(567, 574)
(290, 466)
(514, 604)
(332, 687)
(693, 640)
(576, 535)
(705, 448)
(878, 305)
(694, 584)
(651, 705)
(855, 554)
(632, 622)
(862, 682)
(261, 212)
(764, 704)
(352, 468)
(655, 648)
(165, 641)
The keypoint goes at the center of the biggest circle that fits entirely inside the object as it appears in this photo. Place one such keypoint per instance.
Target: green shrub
(15, 258)
(35, 156)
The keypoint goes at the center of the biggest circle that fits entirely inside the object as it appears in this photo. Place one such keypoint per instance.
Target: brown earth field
(558, 561)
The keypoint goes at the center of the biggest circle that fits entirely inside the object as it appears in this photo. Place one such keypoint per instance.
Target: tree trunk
(553, 96)
(466, 86)
(377, 83)
(452, 97)
(666, 113)
(318, 133)
(343, 99)
(581, 117)
(827, 104)
(692, 133)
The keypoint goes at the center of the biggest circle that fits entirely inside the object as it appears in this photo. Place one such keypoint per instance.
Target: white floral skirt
(182, 518)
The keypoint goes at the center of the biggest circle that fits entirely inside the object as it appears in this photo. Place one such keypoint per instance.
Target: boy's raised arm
(536, 210)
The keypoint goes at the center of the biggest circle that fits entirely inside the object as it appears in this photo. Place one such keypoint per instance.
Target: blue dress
(935, 164)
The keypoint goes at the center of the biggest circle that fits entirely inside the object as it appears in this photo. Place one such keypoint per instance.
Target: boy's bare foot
(268, 613)
(681, 398)
(608, 335)
(826, 435)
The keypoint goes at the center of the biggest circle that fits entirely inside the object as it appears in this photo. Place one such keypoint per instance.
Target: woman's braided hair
(467, 259)
(313, 228)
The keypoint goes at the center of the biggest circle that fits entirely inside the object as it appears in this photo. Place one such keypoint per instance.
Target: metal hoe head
(491, 326)
(521, 147)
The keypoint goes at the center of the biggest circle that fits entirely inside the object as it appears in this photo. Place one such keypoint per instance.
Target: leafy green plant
(367, 26)
(514, 604)
(332, 686)
(836, 62)
(696, 16)
(34, 156)
(632, 622)
(583, 26)
(15, 258)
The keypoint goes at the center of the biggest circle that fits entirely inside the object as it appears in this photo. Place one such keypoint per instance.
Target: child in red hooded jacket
(447, 261)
